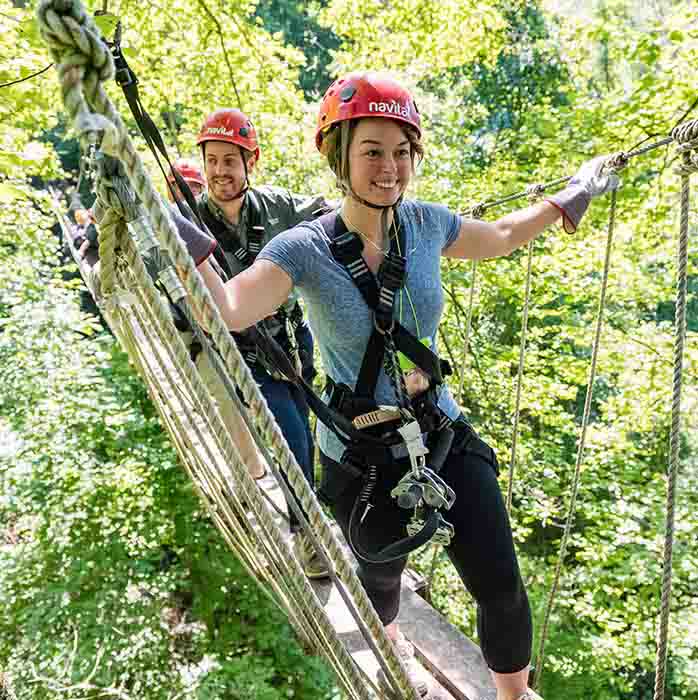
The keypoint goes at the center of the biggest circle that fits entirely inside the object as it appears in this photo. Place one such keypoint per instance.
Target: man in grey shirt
(243, 220)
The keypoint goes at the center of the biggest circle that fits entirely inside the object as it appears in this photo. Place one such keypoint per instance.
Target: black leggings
(482, 549)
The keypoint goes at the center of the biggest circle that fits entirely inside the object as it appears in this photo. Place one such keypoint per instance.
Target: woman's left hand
(591, 180)
(595, 179)
(416, 382)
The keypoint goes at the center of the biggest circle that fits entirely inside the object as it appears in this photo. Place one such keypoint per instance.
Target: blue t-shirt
(339, 317)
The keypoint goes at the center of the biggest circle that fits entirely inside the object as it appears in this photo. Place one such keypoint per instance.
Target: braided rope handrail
(218, 497)
(686, 136)
(83, 62)
(617, 160)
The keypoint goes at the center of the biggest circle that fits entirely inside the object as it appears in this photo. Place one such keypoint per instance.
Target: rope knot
(616, 161)
(477, 210)
(686, 137)
(535, 191)
(689, 162)
(686, 134)
(68, 29)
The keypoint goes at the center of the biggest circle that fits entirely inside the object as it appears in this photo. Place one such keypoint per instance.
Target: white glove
(588, 182)
(593, 180)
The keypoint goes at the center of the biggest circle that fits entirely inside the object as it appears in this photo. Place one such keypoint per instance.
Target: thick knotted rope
(288, 585)
(686, 137)
(83, 62)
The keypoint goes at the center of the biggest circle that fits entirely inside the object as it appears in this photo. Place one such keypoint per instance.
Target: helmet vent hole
(347, 93)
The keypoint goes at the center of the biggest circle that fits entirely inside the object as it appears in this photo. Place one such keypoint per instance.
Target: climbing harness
(284, 325)
(401, 429)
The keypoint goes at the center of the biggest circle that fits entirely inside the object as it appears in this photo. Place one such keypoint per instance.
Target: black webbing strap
(339, 424)
(128, 82)
(395, 550)
(346, 247)
(255, 227)
(228, 241)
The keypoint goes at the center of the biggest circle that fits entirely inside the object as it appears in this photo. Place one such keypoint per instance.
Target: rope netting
(141, 320)
(135, 226)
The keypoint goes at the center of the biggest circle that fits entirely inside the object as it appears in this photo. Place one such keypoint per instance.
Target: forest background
(112, 581)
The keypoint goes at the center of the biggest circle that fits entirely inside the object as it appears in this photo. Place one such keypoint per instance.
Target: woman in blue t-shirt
(369, 131)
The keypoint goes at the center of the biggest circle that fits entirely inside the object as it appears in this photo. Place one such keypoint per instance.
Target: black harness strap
(346, 247)
(229, 242)
(128, 82)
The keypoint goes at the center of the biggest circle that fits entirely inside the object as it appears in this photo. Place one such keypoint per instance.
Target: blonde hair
(335, 146)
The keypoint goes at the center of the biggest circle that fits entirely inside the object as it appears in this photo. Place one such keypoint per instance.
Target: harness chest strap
(246, 255)
(229, 242)
(346, 248)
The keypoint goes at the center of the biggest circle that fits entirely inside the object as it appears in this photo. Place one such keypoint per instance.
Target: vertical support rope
(580, 450)
(519, 377)
(674, 437)
(468, 326)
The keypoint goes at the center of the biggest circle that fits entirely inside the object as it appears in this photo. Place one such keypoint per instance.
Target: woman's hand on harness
(416, 382)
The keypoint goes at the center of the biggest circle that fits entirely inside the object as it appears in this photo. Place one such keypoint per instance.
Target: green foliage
(112, 578)
(511, 94)
(300, 28)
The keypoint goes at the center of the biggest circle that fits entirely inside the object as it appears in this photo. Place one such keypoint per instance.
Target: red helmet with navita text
(362, 94)
(230, 126)
(189, 170)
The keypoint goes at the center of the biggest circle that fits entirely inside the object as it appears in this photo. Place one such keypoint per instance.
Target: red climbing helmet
(230, 126)
(189, 170)
(365, 95)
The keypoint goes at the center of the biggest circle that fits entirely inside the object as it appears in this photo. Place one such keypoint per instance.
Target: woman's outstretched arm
(250, 296)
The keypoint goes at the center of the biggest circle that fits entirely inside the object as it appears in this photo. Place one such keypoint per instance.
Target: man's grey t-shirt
(280, 210)
(339, 317)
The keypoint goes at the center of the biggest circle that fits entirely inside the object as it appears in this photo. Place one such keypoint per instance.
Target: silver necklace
(356, 229)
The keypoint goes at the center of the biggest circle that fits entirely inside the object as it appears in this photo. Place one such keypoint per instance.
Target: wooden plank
(447, 653)
(353, 640)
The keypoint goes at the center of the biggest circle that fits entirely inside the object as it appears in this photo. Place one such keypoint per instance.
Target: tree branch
(219, 31)
(29, 77)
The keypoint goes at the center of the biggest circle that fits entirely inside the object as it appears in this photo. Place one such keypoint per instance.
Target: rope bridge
(140, 249)
(140, 319)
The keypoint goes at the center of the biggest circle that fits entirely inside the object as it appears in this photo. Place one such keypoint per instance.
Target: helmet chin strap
(246, 186)
(371, 205)
(385, 209)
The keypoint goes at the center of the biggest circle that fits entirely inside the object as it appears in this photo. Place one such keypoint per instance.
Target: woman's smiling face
(380, 161)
